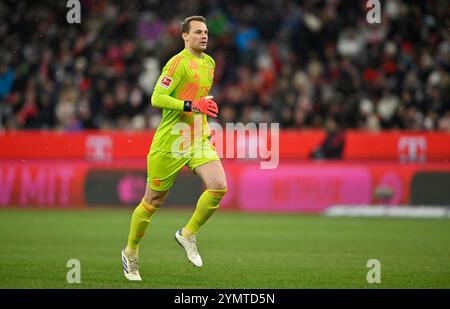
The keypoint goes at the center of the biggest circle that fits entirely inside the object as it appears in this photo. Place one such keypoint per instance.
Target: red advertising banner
(398, 146)
(53, 169)
(99, 146)
(42, 184)
(90, 146)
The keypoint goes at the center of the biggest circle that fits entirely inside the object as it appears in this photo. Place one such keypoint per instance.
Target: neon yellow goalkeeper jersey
(185, 77)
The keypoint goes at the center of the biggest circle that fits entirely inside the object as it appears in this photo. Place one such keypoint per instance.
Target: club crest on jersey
(166, 81)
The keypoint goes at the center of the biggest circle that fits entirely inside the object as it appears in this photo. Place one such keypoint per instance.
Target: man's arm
(171, 76)
(162, 100)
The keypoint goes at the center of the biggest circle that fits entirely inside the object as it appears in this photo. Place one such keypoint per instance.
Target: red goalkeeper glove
(204, 105)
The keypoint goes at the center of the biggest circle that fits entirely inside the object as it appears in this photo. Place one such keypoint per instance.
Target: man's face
(197, 38)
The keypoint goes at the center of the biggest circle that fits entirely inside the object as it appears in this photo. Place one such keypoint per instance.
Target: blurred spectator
(333, 144)
(6, 80)
(299, 63)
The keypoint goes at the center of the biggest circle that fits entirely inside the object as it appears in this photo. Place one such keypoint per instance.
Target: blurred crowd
(300, 63)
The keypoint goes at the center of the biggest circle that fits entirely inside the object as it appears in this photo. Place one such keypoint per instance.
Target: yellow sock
(206, 205)
(139, 222)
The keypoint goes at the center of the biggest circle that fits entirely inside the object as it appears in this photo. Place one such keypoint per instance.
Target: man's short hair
(186, 24)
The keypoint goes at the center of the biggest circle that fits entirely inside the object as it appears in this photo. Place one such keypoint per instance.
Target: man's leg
(141, 218)
(213, 176)
(162, 170)
(139, 223)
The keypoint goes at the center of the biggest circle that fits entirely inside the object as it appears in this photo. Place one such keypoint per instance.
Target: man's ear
(184, 35)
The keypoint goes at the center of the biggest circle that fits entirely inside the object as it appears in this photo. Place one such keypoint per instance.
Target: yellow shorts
(163, 167)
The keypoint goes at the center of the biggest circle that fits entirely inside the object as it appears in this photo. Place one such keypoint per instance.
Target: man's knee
(217, 185)
(155, 202)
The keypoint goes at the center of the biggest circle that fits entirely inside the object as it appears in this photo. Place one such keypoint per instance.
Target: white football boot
(190, 246)
(130, 267)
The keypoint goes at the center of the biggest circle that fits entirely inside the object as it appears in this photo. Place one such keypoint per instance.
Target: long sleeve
(162, 100)
(171, 76)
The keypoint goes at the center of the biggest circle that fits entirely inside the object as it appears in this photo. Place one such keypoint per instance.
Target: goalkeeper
(182, 92)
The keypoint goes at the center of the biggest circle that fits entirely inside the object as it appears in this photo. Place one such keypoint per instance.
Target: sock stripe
(151, 209)
(218, 192)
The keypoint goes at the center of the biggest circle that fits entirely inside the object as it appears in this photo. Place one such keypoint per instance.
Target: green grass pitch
(239, 250)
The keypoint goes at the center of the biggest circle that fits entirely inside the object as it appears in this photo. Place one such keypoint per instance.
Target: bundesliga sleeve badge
(165, 82)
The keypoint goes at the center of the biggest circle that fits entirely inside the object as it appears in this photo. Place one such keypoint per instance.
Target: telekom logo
(130, 188)
(99, 148)
(412, 148)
